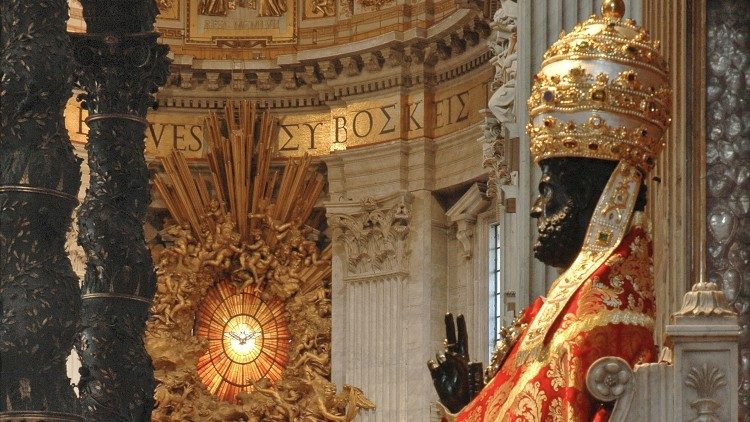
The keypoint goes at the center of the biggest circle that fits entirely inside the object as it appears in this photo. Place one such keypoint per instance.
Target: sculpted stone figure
(598, 110)
(213, 7)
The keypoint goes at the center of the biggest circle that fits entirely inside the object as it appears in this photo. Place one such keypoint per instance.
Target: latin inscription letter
(340, 125)
(386, 129)
(462, 100)
(312, 132)
(412, 110)
(196, 131)
(178, 136)
(286, 146)
(356, 119)
(439, 113)
(157, 139)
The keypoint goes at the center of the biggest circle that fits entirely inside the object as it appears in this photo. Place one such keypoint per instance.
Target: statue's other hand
(450, 370)
(450, 374)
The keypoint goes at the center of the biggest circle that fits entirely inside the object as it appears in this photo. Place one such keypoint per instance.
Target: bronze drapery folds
(120, 66)
(39, 180)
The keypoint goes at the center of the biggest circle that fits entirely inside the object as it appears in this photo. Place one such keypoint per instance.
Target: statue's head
(569, 190)
(598, 107)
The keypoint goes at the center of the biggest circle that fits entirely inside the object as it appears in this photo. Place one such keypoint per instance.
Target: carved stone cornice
(441, 57)
(373, 235)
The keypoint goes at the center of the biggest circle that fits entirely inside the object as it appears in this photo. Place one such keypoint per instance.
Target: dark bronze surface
(120, 66)
(568, 192)
(39, 180)
(457, 380)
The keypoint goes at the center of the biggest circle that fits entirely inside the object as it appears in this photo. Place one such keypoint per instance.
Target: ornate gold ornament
(164, 4)
(508, 338)
(240, 327)
(705, 299)
(374, 4)
(602, 93)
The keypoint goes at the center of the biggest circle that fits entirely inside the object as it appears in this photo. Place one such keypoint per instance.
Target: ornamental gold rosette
(240, 327)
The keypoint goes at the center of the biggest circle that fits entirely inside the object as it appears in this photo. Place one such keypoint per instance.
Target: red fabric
(611, 314)
(601, 416)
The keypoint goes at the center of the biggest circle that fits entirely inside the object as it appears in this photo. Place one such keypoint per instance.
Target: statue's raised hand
(451, 371)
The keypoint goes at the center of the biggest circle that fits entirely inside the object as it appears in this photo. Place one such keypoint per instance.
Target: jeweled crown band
(594, 139)
(603, 92)
(611, 40)
(580, 90)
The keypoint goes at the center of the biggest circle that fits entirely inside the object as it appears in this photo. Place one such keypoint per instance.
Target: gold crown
(603, 92)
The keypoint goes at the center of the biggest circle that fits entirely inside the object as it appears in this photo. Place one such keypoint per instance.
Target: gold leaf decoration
(240, 328)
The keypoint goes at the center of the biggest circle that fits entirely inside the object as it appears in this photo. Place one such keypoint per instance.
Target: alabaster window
(496, 288)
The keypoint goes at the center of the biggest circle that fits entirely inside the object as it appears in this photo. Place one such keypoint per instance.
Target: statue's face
(555, 211)
(568, 192)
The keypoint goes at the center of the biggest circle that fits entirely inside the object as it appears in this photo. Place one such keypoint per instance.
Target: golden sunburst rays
(248, 340)
(242, 146)
(243, 264)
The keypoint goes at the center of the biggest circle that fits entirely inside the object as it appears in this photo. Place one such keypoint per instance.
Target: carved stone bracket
(239, 81)
(464, 213)
(265, 81)
(373, 234)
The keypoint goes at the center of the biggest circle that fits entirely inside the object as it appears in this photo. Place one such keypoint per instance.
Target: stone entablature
(391, 93)
(297, 25)
(433, 55)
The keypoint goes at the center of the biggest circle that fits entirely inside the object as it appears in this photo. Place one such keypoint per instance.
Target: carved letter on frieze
(374, 238)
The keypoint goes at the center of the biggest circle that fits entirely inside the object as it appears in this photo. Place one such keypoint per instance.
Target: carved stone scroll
(374, 237)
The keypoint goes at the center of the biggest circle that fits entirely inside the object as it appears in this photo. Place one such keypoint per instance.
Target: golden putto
(602, 92)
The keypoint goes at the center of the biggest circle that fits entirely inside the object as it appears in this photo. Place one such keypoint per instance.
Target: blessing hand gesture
(451, 371)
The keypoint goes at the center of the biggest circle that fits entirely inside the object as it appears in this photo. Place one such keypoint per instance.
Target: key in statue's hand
(451, 371)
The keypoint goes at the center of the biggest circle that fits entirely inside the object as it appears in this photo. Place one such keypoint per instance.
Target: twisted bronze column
(39, 180)
(120, 67)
